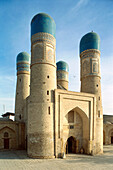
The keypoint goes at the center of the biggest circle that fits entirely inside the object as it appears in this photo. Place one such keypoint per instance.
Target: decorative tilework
(23, 67)
(23, 57)
(43, 48)
(90, 41)
(90, 53)
(43, 37)
(38, 52)
(49, 54)
(61, 65)
(91, 68)
(43, 23)
(85, 67)
(95, 67)
(62, 75)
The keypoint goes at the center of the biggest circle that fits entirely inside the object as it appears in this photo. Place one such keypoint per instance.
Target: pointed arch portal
(71, 145)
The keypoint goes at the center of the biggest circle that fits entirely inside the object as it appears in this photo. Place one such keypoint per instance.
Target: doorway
(6, 143)
(71, 145)
(111, 139)
(103, 137)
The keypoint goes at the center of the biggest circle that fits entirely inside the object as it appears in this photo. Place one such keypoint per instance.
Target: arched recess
(7, 138)
(81, 141)
(5, 128)
(110, 136)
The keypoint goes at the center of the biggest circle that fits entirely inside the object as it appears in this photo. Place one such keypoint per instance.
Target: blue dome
(90, 41)
(43, 23)
(23, 57)
(61, 65)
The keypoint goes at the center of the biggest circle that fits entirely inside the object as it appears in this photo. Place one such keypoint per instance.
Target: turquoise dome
(61, 65)
(23, 57)
(43, 23)
(90, 41)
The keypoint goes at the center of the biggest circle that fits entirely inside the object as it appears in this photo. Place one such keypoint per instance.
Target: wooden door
(6, 143)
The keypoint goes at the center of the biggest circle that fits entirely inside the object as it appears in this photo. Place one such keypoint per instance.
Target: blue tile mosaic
(43, 23)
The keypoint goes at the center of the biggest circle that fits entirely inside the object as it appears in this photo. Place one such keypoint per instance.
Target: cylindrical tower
(90, 78)
(22, 88)
(62, 74)
(43, 82)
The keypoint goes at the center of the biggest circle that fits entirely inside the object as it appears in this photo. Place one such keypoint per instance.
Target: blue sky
(73, 18)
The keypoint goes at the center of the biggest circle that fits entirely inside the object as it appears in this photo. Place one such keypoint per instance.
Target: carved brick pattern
(43, 37)
(86, 67)
(90, 52)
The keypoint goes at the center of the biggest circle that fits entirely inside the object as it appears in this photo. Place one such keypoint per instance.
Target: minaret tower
(22, 88)
(90, 79)
(43, 82)
(62, 74)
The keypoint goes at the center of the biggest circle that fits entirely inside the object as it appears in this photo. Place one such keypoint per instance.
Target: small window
(44, 82)
(99, 113)
(20, 80)
(99, 98)
(6, 134)
(97, 85)
(48, 77)
(49, 110)
(71, 127)
(20, 117)
(47, 92)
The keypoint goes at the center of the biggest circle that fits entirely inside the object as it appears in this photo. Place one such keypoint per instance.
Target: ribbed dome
(61, 65)
(90, 41)
(43, 23)
(23, 57)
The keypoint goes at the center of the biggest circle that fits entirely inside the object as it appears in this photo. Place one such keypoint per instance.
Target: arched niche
(78, 119)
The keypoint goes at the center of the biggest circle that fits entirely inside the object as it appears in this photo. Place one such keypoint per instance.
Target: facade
(12, 134)
(55, 120)
(108, 130)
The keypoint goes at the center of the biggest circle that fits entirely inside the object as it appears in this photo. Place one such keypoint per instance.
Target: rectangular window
(99, 113)
(71, 127)
(49, 110)
(47, 92)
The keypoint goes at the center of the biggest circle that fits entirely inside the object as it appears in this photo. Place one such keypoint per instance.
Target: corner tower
(90, 79)
(22, 88)
(43, 82)
(62, 74)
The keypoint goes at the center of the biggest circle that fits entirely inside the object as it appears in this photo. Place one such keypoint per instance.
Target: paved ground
(14, 160)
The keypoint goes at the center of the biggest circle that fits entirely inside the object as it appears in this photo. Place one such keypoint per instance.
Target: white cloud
(79, 5)
(7, 78)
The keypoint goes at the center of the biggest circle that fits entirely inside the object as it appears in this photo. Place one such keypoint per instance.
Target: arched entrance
(112, 138)
(71, 145)
(6, 140)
